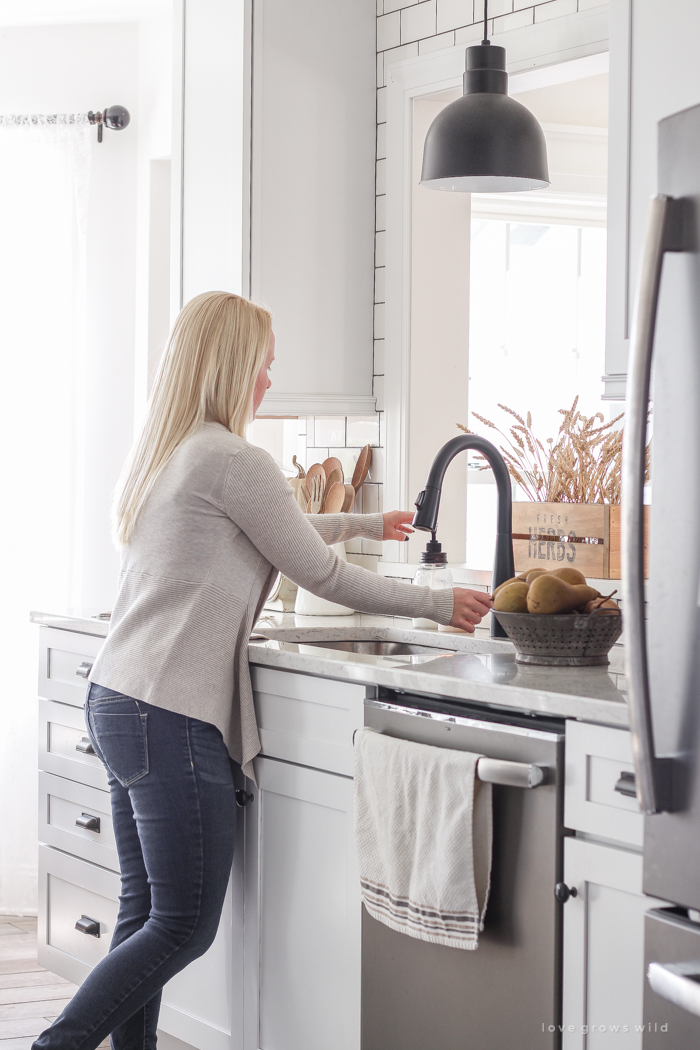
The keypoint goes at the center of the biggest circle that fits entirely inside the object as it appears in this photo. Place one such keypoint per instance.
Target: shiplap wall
(408, 28)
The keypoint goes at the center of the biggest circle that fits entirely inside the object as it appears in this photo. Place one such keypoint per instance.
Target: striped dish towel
(423, 827)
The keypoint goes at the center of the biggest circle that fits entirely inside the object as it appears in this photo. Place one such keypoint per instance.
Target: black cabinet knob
(562, 892)
(243, 798)
(89, 926)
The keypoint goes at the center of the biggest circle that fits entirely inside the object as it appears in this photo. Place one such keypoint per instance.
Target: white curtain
(44, 187)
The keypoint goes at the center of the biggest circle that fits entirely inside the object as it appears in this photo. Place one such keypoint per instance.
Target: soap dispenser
(432, 572)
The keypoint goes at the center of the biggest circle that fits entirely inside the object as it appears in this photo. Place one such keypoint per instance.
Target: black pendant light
(485, 141)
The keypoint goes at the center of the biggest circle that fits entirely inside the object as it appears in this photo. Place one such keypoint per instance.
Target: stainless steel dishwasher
(507, 993)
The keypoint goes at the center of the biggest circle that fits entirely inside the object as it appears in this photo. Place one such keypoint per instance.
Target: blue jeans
(174, 810)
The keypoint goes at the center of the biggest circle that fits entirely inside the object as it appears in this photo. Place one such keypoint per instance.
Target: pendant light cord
(486, 26)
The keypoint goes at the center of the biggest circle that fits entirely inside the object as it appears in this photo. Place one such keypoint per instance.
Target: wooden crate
(583, 535)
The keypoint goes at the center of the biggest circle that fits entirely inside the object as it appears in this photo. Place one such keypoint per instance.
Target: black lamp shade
(485, 141)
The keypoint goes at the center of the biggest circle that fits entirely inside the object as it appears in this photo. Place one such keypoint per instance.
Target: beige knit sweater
(220, 520)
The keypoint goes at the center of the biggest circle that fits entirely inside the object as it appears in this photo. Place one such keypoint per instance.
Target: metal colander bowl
(562, 639)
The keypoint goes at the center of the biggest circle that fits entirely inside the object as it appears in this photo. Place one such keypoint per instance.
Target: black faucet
(428, 504)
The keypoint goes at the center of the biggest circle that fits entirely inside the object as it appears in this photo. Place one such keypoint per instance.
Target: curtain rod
(116, 118)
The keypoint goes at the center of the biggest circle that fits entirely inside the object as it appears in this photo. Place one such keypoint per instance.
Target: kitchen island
(292, 932)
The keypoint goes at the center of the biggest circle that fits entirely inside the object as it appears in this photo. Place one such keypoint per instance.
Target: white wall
(75, 68)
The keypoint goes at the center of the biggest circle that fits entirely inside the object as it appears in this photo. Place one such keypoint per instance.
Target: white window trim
(536, 55)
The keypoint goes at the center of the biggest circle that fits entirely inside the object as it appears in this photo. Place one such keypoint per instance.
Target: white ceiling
(53, 12)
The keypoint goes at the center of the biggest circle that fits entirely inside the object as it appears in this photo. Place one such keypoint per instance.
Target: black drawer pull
(89, 926)
(626, 785)
(84, 670)
(84, 746)
(88, 822)
(243, 798)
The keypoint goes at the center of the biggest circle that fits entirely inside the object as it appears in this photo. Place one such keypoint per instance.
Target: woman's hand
(470, 608)
(396, 524)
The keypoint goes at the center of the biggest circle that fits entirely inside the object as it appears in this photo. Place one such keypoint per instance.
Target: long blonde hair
(208, 371)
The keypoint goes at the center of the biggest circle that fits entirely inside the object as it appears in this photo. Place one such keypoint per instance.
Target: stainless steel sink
(381, 648)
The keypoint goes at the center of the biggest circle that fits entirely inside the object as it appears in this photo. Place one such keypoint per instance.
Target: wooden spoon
(315, 470)
(334, 478)
(335, 499)
(349, 501)
(331, 464)
(362, 467)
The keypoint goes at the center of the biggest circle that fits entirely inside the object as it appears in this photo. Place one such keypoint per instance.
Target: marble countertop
(477, 668)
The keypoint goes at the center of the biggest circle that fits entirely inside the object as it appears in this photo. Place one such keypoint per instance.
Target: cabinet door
(653, 73)
(603, 948)
(302, 954)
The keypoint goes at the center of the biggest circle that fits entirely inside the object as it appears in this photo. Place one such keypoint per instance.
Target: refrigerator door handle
(677, 982)
(652, 775)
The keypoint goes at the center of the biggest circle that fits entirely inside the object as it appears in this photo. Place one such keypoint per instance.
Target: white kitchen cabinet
(303, 912)
(78, 866)
(274, 182)
(603, 947)
(653, 72)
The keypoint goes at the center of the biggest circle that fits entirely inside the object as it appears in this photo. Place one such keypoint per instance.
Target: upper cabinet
(274, 193)
(653, 72)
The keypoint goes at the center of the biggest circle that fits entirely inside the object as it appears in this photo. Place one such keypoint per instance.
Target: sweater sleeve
(261, 503)
(336, 528)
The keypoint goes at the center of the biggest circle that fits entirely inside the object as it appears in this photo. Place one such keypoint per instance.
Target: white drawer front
(307, 720)
(62, 655)
(596, 757)
(62, 737)
(65, 808)
(69, 889)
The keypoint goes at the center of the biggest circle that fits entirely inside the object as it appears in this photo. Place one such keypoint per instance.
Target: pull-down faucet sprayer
(428, 505)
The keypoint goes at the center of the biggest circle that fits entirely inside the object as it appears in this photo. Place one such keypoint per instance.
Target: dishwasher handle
(506, 773)
(510, 774)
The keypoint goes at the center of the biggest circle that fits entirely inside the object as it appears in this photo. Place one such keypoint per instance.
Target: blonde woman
(204, 520)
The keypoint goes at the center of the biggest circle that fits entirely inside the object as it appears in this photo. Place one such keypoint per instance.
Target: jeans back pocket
(120, 731)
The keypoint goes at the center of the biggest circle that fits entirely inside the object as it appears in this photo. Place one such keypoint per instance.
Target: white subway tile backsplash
(388, 31)
(380, 69)
(370, 498)
(362, 431)
(378, 386)
(353, 546)
(381, 176)
(452, 14)
(496, 7)
(515, 20)
(394, 5)
(418, 21)
(376, 470)
(398, 54)
(436, 43)
(330, 432)
(348, 457)
(381, 142)
(379, 321)
(379, 357)
(380, 248)
(381, 105)
(555, 9)
(472, 34)
(379, 296)
(315, 455)
(372, 546)
(381, 213)
(586, 5)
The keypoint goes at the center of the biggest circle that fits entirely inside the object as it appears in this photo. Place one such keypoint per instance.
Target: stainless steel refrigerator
(663, 653)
